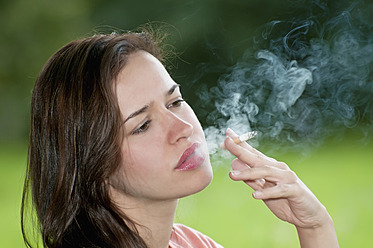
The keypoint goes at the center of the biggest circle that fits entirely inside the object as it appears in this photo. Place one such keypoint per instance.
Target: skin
(283, 192)
(148, 185)
(158, 127)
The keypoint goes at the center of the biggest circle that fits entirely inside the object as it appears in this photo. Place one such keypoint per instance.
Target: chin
(200, 181)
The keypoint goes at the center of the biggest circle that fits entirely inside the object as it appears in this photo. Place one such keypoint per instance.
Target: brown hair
(74, 144)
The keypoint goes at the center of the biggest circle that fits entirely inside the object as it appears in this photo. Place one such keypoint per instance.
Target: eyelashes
(146, 125)
(176, 103)
(143, 128)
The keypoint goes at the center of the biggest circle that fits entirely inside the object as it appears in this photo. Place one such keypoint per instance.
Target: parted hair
(74, 144)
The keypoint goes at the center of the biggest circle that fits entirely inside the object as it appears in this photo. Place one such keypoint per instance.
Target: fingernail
(257, 194)
(260, 182)
(235, 172)
(229, 130)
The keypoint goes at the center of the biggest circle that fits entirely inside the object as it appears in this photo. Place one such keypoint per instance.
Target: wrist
(321, 234)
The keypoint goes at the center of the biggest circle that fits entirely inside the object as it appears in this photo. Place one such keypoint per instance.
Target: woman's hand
(283, 192)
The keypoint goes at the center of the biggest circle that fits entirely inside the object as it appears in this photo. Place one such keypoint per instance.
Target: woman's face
(164, 149)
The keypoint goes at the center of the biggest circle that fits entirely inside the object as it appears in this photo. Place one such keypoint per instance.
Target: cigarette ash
(311, 79)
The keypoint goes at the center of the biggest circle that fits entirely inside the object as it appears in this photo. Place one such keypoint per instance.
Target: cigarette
(242, 138)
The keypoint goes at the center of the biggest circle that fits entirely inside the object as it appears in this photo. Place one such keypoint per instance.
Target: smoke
(309, 80)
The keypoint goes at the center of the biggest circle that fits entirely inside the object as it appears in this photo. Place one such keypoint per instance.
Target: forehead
(142, 80)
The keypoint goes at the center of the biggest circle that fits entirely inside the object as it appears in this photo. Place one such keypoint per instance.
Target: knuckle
(282, 165)
(266, 169)
(292, 176)
(257, 156)
(283, 189)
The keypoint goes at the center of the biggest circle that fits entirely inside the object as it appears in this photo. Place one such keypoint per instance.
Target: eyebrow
(172, 89)
(146, 107)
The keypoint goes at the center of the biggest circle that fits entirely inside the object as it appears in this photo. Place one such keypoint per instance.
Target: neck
(154, 219)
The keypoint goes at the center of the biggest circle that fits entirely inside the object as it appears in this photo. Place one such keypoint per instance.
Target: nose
(178, 129)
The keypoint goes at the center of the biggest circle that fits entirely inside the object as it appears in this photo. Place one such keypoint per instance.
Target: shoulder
(187, 237)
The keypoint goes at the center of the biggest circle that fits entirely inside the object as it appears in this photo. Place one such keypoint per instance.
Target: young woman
(113, 146)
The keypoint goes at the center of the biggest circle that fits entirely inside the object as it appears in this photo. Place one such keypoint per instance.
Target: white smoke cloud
(312, 82)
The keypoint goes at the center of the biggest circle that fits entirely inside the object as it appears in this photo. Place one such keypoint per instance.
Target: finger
(269, 173)
(278, 191)
(239, 165)
(232, 134)
(245, 155)
(256, 185)
(251, 156)
(229, 132)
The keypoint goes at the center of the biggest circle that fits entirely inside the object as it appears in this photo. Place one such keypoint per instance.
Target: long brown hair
(74, 144)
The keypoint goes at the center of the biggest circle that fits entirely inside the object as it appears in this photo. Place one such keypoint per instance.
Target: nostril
(187, 132)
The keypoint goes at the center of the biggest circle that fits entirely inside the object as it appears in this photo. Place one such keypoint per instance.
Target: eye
(176, 104)
(143, 128)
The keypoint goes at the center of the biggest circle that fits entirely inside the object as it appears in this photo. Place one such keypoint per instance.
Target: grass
(340, 175)
(12, 171)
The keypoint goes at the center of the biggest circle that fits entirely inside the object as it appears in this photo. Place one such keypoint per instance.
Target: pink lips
(190, 159)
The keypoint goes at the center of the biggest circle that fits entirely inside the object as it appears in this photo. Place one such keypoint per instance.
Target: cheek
(131, 174)
(141, 159)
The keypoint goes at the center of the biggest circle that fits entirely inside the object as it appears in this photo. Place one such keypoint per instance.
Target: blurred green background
(209, 32)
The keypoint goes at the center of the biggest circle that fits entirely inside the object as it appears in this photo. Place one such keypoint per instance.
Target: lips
(191, 158)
